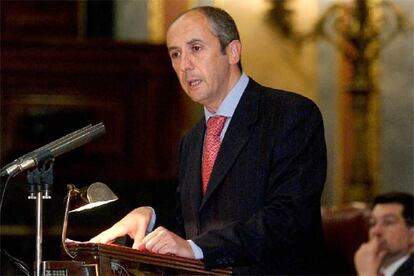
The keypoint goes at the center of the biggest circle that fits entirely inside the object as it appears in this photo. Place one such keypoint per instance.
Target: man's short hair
(222, 24)
(406, 200)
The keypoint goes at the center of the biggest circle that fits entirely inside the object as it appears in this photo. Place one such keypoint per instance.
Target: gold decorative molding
(156, 21)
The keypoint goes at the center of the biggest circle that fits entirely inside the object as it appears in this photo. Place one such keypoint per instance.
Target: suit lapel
(236, 137)
(193, 180)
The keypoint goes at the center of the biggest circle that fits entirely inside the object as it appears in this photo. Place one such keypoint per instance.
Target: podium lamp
(85, 198)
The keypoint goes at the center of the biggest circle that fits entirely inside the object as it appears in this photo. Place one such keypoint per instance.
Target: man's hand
(134, 225)
(166, 242)
(368, 258)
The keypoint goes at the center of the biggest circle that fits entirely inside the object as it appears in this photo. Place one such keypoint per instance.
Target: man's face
(201, 67)
(389, 226)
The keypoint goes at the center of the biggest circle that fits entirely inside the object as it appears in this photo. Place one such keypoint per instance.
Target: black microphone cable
(3, 191)
(18, 263)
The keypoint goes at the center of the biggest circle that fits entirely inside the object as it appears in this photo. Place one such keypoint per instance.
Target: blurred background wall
(65, 64)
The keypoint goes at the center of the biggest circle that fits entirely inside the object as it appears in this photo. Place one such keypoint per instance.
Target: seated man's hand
(368, 258)
(134, 225)
(166, 242)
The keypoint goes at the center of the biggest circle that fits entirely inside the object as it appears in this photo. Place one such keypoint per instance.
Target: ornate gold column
(359, 53)
(160, 15)
(156, 19)
(354, 28)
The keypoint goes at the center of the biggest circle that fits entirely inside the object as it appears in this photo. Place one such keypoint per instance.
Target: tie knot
(215, 125)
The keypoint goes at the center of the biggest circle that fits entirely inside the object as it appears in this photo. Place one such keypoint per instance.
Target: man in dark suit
(257, 209)
(389, 250)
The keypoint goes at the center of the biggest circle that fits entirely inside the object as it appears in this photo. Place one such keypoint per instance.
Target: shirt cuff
(151, 224)
(198, 253)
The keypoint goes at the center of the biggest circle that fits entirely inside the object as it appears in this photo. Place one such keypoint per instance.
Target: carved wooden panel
(52, 88)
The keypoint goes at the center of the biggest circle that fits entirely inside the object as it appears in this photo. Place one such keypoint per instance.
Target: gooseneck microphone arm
(64, 144)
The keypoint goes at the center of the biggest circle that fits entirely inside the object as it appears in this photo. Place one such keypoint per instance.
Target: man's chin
(196, 97)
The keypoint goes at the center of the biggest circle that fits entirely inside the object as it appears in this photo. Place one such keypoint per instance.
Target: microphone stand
(41, 180)
(40, 183)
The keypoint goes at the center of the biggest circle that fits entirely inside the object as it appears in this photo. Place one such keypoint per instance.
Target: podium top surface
(93, 252)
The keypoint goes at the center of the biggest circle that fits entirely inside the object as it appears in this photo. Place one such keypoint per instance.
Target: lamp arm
(71, 190)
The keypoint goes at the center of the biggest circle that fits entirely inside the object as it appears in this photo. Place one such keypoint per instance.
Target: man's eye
(174, 55)
(389, 222)
(196, 48)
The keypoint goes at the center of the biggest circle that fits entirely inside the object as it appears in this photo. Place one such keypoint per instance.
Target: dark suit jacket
(261, 211)
(407, 267)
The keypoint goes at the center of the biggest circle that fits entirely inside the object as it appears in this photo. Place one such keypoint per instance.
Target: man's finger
(102, 238)
(138, 239)
(138, 244)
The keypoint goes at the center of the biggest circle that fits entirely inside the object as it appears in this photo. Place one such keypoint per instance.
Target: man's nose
(186, 63)
(376, 230)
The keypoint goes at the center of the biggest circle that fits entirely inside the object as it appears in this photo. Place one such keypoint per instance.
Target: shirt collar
(228, 106)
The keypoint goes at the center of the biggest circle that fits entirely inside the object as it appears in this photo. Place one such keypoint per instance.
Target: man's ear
(234, 51)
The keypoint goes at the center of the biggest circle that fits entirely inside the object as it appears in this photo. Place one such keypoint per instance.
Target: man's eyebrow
(195, 40)
(191, 42)
(171, 48)
(386, 216)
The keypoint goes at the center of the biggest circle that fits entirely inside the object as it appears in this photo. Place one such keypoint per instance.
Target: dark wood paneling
(40, 18)
(51, 88)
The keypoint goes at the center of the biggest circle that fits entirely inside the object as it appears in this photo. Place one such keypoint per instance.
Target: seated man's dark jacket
(261, 211)
(407, 267)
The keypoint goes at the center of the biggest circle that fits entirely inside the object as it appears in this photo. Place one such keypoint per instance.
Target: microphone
(54, 149)
(50, 145)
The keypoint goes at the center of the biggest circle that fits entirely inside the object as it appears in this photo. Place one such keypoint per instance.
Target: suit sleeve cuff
(198, 253)
(151, 224)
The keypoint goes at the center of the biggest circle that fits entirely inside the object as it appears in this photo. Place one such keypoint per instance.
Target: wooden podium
(103, 259)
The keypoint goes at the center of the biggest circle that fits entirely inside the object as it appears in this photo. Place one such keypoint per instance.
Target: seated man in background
(389, 250)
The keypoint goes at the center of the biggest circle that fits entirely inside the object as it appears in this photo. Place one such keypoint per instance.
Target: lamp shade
(92, 196)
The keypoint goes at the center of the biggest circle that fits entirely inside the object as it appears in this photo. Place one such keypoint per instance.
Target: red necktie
(211, 147)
